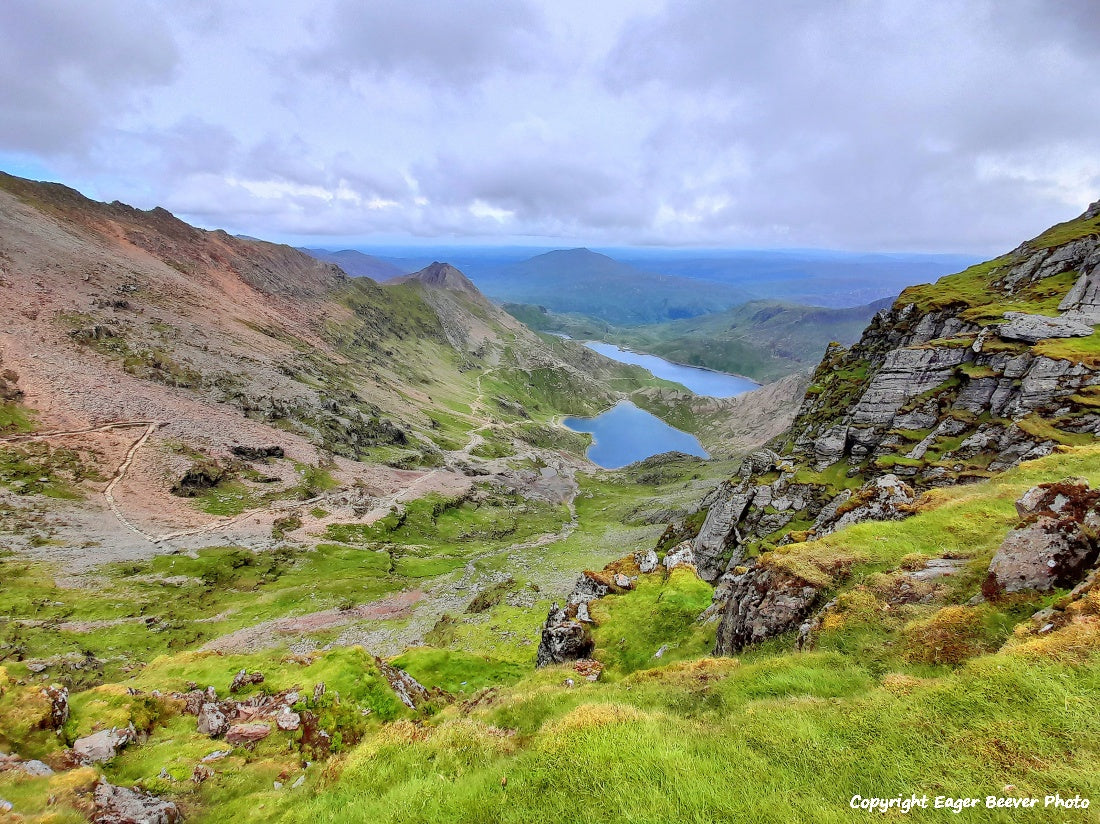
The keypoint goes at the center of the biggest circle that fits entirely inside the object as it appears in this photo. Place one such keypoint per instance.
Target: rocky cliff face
(956, 381)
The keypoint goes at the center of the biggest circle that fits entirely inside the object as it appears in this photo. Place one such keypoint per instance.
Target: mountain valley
(281, 543)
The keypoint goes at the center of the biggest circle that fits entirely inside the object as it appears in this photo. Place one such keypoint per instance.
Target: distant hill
(580, 280)
(762, 339)
(357, 264)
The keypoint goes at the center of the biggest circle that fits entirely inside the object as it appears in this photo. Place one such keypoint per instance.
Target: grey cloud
(440, 43)
(66, 67)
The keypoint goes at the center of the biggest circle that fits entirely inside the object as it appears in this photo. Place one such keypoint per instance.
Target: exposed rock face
(1054, 546)
(1034, 328)
(411, 692)
(102, 746)
(245, 679)
(287, 720)
(563, 639)
(118, 805)
(884, 499)
(759, 603)
(646, 561)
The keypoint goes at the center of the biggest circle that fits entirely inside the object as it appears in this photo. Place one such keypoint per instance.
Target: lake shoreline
(622, 348)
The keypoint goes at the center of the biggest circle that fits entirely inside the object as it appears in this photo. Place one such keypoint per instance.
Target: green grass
(1078, 350)
(661, 612)
(16, 418)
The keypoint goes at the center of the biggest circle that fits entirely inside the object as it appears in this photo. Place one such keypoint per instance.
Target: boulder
(240, 734)
(118, 805)
(760, 602)
(646, 560)
(287, 720)
(1055, 545)
(680, 555)
(103, 745)
(563, 639)
(1034, 328)
(588, 588)
(211, 721)
(34, 768)
(622, 581)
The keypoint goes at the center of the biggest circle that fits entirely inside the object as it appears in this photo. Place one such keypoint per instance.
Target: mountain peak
(440, 276)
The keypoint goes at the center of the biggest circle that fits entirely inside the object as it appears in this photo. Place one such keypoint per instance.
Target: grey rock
(245, 679)
(622, 581)
(34, 768)
(103, 745)
(211, 721)
(760, 603)
(586, 589)
(287, 720)
(1034, 328)
(563, 639)
(411, 692)
(118, 805)
(646, 560)
(679, 555)
(58, 696)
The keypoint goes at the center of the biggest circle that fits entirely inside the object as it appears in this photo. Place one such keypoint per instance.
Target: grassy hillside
(921, 696)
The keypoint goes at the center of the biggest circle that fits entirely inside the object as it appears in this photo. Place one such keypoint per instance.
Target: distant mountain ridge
(580, 280)
(358, 264)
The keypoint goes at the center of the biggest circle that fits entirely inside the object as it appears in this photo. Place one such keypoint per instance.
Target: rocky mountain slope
(956, 382)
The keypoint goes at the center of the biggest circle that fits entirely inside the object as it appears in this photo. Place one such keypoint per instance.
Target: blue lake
(625, 434)
(699, 381)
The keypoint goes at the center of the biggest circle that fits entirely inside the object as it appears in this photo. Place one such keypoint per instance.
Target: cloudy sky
(866, 125)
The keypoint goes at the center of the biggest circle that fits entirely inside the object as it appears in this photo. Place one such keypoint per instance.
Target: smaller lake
(625, 434)
(700, 381)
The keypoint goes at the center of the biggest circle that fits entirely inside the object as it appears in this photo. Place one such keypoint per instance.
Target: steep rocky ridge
(955, 382)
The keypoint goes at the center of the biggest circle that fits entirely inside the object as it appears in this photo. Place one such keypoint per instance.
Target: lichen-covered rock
(287, 720)
(211, 721)
(103, 745)
(119, 805)
(646, 561)
(680, 555)
(1054, 546)
(245, 679)
(886, 498)
(622, 581)
(759, 602)
(717, 533)
(563, 639)
(587, 588)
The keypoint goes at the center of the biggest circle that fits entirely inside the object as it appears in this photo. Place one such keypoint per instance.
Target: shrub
(950, 636)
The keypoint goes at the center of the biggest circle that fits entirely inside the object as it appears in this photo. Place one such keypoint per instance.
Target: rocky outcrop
(564, 638)
(58, 696)
(756, 602)
(1034, 328)
(679, 555)
(884, 499)
(119, 805)
(411, 692)
(211, 721)
(1054, 546)
(245, 679)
